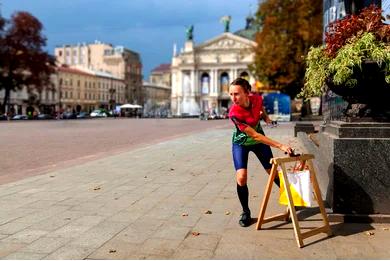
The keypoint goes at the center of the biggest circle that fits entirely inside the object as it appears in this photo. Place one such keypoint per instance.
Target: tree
(289, 28)
(23, 62)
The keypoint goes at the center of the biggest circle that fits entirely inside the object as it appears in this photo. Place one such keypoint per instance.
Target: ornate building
(201, 73)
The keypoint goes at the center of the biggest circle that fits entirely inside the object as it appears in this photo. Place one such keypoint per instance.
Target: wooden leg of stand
(317, 193)
(267, 193)
(293, 214)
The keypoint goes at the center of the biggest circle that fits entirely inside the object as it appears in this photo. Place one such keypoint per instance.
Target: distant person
(246, 112)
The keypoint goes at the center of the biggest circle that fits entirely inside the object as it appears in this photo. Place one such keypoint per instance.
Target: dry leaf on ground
(184, 214)
(208, 212)
(370, 233)
(195, 233)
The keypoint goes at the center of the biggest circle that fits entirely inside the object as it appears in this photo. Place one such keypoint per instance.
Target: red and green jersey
(244, 117)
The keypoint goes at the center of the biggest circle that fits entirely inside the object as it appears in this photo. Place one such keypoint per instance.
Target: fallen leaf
(52, 176)
(385, 228)
(255, 196)
(208, 212)
(370, 233)
(97, 188)
(195, 233)
(172, 169)
(112, 251)
(227, 213)
(145, 177)
(67, 218)
(184, 214)
(116, 198)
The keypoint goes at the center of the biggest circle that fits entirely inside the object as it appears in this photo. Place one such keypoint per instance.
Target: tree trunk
(6, 99)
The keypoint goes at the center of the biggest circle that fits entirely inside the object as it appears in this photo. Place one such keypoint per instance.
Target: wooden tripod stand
(305, 159)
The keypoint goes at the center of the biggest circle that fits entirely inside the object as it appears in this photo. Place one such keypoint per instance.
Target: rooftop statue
(226, 21)
(189, 33)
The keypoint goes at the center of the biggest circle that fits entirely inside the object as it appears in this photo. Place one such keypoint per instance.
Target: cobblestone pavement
(151, 203)
(34, 147)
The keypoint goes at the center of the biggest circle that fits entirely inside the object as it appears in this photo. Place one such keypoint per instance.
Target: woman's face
(238, 95)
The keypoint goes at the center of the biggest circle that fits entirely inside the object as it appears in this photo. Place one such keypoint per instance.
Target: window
(205, 83)
(78, 83)
(224, 81)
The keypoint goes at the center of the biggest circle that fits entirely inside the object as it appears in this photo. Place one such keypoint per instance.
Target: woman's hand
(286, 149)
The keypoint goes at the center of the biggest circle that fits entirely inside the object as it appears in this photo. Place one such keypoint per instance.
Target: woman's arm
(265, 116)
(264, 139)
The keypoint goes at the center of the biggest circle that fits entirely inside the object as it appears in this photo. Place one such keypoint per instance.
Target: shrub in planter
(354, 63)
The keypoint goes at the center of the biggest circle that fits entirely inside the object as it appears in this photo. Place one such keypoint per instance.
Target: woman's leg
(240, 158)
(264, 154)
(242, 189)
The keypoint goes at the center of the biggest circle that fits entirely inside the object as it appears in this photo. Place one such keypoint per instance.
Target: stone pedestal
(304, 127)
(353, 166)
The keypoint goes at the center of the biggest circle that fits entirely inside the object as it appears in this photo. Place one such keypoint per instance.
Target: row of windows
(90, 96)
(100, 85)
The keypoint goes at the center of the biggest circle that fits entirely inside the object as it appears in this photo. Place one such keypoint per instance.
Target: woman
(246, 113)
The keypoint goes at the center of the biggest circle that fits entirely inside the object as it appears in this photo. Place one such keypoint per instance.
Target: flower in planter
(350, 44)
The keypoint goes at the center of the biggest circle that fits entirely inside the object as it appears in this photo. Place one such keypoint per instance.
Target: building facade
(161, 75)
(157, 100)
(26, 101)
(115, 60)
(87, 90)
(201, 74)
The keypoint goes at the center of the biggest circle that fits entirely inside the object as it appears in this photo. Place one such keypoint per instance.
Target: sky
(149, 27)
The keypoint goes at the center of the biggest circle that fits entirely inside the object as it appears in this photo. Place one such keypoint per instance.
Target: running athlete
(246, 113)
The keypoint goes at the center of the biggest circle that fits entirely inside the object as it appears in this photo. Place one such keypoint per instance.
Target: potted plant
(354, 63)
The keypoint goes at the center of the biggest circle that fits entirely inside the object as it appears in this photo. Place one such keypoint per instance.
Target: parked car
(20, 117)
(69, 115)
(83, 115)
(44, 116)
(98, 113)
(3, 117)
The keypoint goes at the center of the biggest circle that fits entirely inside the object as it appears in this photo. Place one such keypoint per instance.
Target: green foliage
(316, 73)
(341, 68)
(352, 55)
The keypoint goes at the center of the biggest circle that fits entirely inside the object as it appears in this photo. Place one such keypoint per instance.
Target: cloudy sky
(149, 27)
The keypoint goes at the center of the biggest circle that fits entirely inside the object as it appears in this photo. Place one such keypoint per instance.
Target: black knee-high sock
(277, 181)
(243, 195)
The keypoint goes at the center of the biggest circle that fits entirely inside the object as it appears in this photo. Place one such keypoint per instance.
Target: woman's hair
(243, 83)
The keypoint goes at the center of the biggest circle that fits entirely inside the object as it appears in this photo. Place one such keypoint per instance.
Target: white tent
(130, 106)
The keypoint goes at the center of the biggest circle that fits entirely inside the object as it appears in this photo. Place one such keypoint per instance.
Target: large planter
(371, 93)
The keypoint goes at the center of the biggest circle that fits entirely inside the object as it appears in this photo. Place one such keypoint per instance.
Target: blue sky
(149, 27)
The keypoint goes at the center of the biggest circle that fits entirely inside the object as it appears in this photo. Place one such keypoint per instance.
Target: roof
(88, 72)
(164, 67)
(73, 70)
(250, 30)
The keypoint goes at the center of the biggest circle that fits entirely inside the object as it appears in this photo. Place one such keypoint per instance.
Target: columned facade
(201, 74)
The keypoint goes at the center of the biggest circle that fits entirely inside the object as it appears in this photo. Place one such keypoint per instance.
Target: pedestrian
(246, 112)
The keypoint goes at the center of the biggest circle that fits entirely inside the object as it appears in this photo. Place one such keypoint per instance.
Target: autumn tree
(23, 62)
(288, 29)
